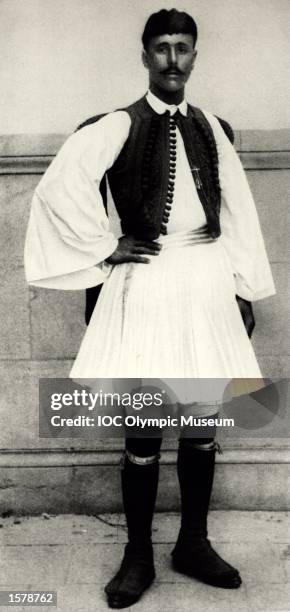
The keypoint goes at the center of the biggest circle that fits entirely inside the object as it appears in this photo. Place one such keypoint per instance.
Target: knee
(143, 451)
(202, 444)
(198, 442)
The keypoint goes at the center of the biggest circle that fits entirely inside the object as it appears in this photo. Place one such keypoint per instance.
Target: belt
(186, 238)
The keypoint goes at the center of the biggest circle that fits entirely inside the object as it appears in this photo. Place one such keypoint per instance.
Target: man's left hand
(246, 311)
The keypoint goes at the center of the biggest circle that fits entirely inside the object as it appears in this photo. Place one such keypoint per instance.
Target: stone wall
(42, 329)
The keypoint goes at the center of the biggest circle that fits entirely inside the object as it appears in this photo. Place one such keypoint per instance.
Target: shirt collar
(161, 107)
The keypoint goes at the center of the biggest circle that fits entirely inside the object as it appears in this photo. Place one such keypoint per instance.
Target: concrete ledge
(89, 481)
(25, 164)
(57, 458)
(23, 145)
(273, 160)
(19, 145)
(32, 153)
(265, 160)
(264, 140)
(93, 489)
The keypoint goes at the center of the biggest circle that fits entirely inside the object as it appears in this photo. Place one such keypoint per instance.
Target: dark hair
(169, 22)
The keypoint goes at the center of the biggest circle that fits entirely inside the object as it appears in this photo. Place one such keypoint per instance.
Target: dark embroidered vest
(143, 176)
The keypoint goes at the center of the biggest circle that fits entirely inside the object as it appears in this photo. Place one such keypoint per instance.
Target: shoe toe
(230, 580)
(128, 585)
(119, 602)
(234, 580)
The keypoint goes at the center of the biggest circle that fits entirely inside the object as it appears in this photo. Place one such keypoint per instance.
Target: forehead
(172, 39)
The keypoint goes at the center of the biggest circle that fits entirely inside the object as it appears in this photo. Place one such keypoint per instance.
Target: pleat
(176, 317)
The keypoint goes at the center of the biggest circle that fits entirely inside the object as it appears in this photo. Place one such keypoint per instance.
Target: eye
(182, 48)
(161, 49)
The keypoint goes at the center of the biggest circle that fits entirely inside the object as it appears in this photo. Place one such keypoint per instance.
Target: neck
(169, 97)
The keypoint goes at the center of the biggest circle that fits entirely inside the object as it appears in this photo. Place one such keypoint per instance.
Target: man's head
(169, 40)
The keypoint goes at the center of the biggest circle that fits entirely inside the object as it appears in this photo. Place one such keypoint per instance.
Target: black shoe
(199, 560)
(135, 575)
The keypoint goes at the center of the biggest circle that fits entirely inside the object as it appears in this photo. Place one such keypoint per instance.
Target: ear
(193, 58)
(145, 59)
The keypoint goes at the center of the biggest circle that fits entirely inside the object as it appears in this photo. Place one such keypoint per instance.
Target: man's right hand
(131, 249)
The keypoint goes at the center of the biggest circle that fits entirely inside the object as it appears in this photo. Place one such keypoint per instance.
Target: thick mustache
(172, 70)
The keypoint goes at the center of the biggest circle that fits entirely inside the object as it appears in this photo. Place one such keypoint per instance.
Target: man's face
(170, 59)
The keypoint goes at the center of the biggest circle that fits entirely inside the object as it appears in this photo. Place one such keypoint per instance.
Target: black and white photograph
(144, 306)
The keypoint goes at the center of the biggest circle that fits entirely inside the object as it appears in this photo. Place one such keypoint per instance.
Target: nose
(172, 57)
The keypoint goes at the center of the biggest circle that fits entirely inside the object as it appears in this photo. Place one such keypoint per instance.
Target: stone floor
(77, 555)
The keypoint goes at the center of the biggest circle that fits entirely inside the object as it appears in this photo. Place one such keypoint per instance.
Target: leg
(139, 479)
(193, 554)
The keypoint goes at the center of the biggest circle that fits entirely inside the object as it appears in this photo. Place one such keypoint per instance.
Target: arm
(68, 236)
(240, 227)
(245, 306)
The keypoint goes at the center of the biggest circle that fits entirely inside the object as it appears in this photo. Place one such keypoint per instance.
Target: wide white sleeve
(240, 228)
(68, 236)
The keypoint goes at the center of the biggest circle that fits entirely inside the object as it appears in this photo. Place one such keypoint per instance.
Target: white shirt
(68, 236)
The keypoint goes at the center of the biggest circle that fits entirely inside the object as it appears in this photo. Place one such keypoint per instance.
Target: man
(186, 210)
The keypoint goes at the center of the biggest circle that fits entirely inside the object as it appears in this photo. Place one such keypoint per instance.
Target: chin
(171, 87)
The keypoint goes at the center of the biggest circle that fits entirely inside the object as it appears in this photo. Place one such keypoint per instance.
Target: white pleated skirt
(176, 317)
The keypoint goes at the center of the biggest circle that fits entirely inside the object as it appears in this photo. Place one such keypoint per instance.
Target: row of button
(172, 173)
